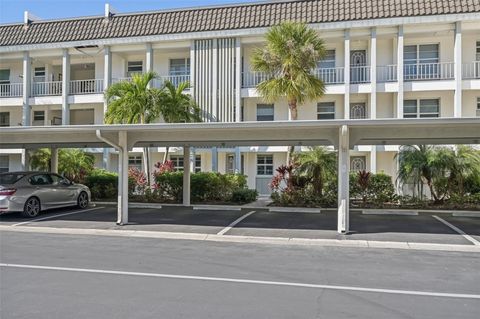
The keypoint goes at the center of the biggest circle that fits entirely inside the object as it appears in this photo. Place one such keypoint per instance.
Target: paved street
(117, 277)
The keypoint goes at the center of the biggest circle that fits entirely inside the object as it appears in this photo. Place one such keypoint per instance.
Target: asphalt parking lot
(421, 228)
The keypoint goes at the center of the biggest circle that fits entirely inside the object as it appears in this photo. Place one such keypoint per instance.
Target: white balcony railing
(86, 86)
(11, 90)
(387, 73)
(331, 75)
(159, 81)
(46, 88)
(253, 78)
(471, 70)
(360, 74)
(429, 71)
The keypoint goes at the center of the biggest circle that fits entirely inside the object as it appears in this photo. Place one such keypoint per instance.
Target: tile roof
(231, 17)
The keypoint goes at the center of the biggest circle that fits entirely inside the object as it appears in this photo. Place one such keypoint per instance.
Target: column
(27, 80)
(347, 75)
(457, 111)
(192, 159)
(186, 176)
(65, 87)
(238, 80)
(54, 160)
(122, 211)
(214, 159)
(373, 96)
(107, 81)
(343, 180)
(238, 161)
(26, 110)
(400, 72)
(192, 68)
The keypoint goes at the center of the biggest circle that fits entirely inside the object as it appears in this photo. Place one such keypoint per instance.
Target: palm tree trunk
(292, 105)
(146, 160)
(165, 158)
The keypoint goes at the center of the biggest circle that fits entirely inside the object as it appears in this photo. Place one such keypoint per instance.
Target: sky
(12, 10)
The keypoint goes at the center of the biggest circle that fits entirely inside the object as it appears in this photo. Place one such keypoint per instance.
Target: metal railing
(159, 81)
(471, 70)
(46, 88)
(429, 71)
(11, 90)
(360, 74)
(253, 78)
(86, 86)
(387, 73)
(331, 75)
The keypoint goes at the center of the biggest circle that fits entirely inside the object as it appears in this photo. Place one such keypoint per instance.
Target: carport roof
(362, 132)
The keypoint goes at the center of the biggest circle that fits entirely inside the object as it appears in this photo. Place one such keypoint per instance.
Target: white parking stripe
(458, 230)
(53, 216)
(249, 281)
(226, 229)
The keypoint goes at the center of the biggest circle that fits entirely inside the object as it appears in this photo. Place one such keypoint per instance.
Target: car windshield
(6, 179)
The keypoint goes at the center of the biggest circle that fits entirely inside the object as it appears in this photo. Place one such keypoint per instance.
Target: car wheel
(82, 200)
(31, 208)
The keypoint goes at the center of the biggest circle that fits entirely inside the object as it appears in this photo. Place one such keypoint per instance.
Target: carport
(343, 134)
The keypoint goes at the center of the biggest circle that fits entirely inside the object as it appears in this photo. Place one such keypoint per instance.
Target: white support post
(192, 68)
(400, 45)
(373, 74)
(346, 111)
(122, 212)
(27, 80)
(458, 70)
(214, 159)
(54, 160)
(186, 176)
(107, 81)
(238, 80)
(149, 60)
(343, 179)
(192, 159)
(373, 159)
(25, 160)
(238, 161)
(65, 87)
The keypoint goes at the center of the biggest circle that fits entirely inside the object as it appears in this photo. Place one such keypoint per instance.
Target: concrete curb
(217, 207)
(414, 212)
(294, 210)
(246, 239)
(389, 212)
(130, 205)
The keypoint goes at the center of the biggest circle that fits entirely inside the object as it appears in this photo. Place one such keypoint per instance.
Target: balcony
(46, 88)
(159, 81)
(11, 90)
(387, 73)
(360, 74)
(429, 71)
(471, 70)
(331, 75)
(94, 86)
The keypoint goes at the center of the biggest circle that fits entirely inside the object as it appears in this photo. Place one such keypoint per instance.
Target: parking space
(421, 228)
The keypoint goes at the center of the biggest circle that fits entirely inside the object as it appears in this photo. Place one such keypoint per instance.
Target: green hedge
(205, 186)
(103, 184)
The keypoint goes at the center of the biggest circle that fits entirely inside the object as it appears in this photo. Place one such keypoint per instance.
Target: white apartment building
(386, 59)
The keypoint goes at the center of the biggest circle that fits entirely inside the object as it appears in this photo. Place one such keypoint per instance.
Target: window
(329, 60)
(326, 111)
(134, 67)
(39, 74)
(421, 108)
(265, 165)
(358, 111)
(135, 162)
(38, 115)
(230, 164)
(4, 163)
(41, 179)
(5, 76)
(358, 163)
(59, 180)
(179, 66)
(478, 106)
(420, 61)
(478, 50)
(265, 112)
(178, 162)
(4, 118)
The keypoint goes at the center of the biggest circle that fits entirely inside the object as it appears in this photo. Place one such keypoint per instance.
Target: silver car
(32, 192)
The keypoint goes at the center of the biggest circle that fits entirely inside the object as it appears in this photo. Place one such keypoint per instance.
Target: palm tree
(40, 160)
(134, 102)
(288, 59)
(413, 166)
(178, 107)
(319, 164)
